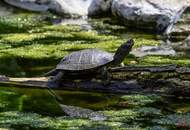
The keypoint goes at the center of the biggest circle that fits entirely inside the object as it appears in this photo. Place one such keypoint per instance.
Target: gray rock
(62, 7)
(187, 41)
(79, 112)
(32, 5)
(158, 15)
(99, 7)
(181, 30)
(5, 9)
(182, 47)
(153, 50)
(70, 7)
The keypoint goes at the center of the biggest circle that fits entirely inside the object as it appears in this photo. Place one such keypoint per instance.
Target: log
(153, 69)
(167, 79)
(95, 86)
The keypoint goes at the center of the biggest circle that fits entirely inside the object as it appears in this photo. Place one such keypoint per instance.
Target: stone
(70, 7)
(99, 7)
(31, 5)
(156, 15)
(153, 50)
(181, 29)
(182, 47)
(5, 9)
(61, 7)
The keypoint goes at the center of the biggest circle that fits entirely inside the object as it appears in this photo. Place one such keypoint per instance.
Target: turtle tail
(52, 72)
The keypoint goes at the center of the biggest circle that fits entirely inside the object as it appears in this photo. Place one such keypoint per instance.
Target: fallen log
(41, 82)
(168, 79)
(153, 69)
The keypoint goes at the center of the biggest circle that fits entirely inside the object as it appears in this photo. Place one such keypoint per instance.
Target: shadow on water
(128, 110)
(26, 67)
(42, 102)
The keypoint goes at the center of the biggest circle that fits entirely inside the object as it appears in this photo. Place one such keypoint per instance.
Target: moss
(140, 100)
(37, 39)
(175, 121)
(152, 60)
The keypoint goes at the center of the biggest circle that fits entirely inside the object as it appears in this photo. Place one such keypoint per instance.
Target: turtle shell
(85, 59)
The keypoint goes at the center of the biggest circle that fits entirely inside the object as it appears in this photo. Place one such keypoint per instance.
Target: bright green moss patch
(158, 60)
(147, 42)
(21, 22)
(32, 38)
(140, 100)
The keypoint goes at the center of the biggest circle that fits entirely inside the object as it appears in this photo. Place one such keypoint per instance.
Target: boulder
(62, 7)
(182, 47)
(70, 7)
(100, 7)
(157, 15)
(31, 5)
(5, 9)
(153, 50)
(181, 29)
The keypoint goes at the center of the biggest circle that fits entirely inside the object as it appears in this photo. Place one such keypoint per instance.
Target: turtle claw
(106, 83)
(52, 84)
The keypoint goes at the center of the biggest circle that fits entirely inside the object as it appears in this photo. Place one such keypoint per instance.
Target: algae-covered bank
(33, 43)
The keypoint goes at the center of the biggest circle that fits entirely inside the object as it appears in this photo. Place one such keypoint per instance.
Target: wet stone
(181, 29)
(153, 50)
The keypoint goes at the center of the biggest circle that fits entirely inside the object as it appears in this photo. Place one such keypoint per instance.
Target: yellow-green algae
(36, 40)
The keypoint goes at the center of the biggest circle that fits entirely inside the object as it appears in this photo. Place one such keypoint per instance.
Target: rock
(181, 29)
(153, 50)
(61, 7)
(187, 41)
(4, 78)
(183, 47)
(154, 15)
(99, 7)
(31, 5)
(79, 112)
(5, 9)
(70, 7)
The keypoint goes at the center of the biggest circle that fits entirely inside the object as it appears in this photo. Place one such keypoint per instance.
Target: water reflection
(143, 109)
(25, 67)
(42, 102)
(5, 9)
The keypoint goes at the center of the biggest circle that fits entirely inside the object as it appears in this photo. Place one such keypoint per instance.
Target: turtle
(88, 61)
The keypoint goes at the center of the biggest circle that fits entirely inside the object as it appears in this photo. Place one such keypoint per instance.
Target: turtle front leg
(122, 64)
(105, 76)
(56, 81)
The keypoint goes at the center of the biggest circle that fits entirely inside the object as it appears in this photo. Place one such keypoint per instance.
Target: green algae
(37, 109)
(32, 37)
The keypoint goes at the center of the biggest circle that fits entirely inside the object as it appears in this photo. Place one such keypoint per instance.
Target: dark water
(151, 108)
(42, 102)
(23, 67)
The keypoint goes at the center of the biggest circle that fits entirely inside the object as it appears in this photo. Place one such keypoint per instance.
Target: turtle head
(123, 51)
